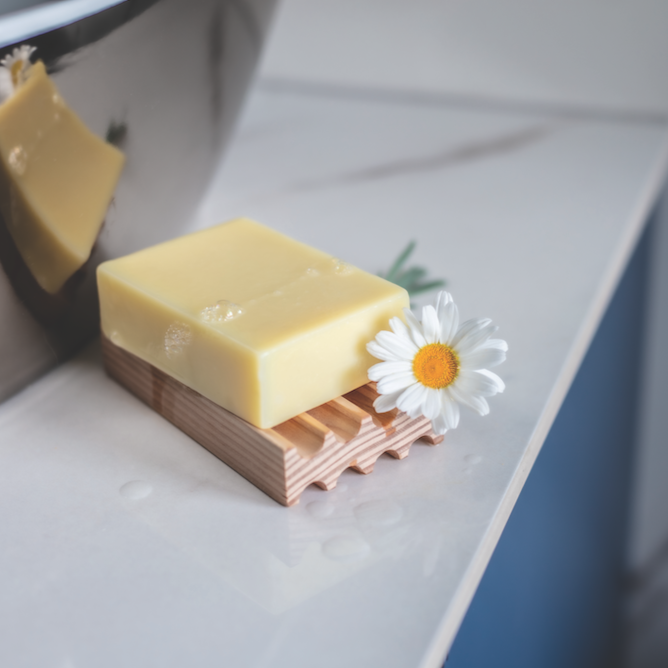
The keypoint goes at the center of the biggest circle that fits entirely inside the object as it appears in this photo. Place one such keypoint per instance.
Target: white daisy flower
(13, 70)
(430, 367)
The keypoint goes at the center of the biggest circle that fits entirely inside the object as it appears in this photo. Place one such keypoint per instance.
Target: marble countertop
(125, 543)
(579, 55)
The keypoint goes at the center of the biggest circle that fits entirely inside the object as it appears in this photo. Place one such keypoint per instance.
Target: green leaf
(411, 278)
(398, 263)
(425, 287)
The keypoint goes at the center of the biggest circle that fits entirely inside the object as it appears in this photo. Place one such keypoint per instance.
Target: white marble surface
(586, 55)
(125, 543)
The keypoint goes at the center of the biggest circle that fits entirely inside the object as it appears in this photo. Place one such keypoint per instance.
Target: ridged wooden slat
(312, 448)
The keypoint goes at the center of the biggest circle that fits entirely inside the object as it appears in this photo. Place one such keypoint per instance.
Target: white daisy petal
(440, 425)
(432, 404)
(399, 327)
(382, 353)
(478, 404)
(395, 381)
(450, 409)
(377, 371)
(430, 325)
(412, 399)
(499, 385)
(415, 329)
(474, 382)
(496, 343)
(449, 322)
(467, 327)
(386, 402)
(475, 338)
(415, 412)
(482, 357)
(442, 300)
(397, 344)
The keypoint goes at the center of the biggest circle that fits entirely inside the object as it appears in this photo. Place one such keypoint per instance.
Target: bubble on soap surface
(18, 160)
(312, 271)
(341, 268)
(222, 311)
(177, 337)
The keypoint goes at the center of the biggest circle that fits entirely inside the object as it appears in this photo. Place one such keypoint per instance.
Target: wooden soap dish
(312, 448)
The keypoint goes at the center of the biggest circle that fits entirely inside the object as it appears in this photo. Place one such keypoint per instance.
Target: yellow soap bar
(262, 325)
(56, 180)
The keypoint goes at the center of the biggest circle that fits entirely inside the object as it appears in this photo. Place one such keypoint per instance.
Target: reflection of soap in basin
(56, 180)
(167, 77)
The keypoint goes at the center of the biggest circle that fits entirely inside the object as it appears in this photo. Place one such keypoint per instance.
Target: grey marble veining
(447, 159)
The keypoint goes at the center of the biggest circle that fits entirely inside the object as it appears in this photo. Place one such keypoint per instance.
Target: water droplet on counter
(136, 489)
(177, 337)
(320, 509)
(222, 311)
(341, 268)
(467, 471)
(18, 160)
(379, 513)
(473, 459)
(345, 548)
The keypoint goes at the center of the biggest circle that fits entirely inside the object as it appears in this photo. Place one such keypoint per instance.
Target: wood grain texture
(312, 448)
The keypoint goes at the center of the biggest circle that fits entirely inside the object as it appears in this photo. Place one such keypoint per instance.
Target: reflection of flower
(13, 70)
(429, 367)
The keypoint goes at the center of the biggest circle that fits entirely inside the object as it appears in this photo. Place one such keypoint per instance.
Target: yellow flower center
(436, 365)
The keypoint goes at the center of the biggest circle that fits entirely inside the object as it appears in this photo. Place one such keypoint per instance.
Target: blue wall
(552, 594)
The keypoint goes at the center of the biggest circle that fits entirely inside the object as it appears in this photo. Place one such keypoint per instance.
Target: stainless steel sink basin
(161, 80)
